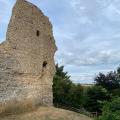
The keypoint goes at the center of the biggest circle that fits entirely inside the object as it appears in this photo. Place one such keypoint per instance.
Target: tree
(61, 86)
(76, 95)
(109, 81)
(118, 76)
(65, 92)
(111, 110)
(95, 96)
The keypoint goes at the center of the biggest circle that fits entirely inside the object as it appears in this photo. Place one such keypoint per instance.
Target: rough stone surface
(27, 57)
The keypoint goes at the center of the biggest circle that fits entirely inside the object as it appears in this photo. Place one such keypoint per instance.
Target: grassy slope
(47, 113)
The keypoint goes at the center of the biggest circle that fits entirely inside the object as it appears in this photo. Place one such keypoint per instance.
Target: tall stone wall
(27, 57)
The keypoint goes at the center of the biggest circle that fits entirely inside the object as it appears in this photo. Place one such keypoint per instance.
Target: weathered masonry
(27, 57)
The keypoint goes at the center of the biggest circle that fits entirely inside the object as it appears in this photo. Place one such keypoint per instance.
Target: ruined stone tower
(27, 57)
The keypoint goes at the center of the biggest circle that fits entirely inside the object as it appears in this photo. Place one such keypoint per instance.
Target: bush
(76, 96)
(111, 110)
(116, 92)
(94, 98)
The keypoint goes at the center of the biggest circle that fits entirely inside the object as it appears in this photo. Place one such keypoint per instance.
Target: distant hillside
(47, 113)
(87, 85)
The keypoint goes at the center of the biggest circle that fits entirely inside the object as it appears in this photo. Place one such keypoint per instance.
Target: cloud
(85, 78)
(87, 34)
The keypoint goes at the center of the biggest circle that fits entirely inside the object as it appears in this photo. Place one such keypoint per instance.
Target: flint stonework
(27, 57)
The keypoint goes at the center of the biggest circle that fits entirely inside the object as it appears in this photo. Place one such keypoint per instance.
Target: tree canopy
(64, 90)
(109, 81)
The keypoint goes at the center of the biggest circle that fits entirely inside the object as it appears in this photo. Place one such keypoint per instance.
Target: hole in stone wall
(44, 63)
(38, 33)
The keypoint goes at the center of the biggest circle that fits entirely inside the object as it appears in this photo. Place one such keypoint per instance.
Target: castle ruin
(27, 57)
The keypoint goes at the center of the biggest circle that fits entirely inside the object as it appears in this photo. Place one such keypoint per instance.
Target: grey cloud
(87, 34)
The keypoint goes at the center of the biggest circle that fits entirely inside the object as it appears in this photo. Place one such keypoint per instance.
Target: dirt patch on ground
(47, 113)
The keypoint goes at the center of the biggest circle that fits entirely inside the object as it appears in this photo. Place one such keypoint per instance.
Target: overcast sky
(87, 34)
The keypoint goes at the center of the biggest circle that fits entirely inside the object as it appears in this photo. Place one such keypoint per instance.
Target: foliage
(76, 95)
(64, 91)
(61, 85)
(92, 98)
(111, 110)
(109, 81)
(95, 96)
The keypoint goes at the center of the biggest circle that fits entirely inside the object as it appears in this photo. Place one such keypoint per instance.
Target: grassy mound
(47, 113)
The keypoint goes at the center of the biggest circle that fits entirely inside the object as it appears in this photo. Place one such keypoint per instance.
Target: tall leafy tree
(118, 76)
(95, 96)
(61, 86)
(116, 91)
(109, 81)
(64, 90)
(76, 95)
